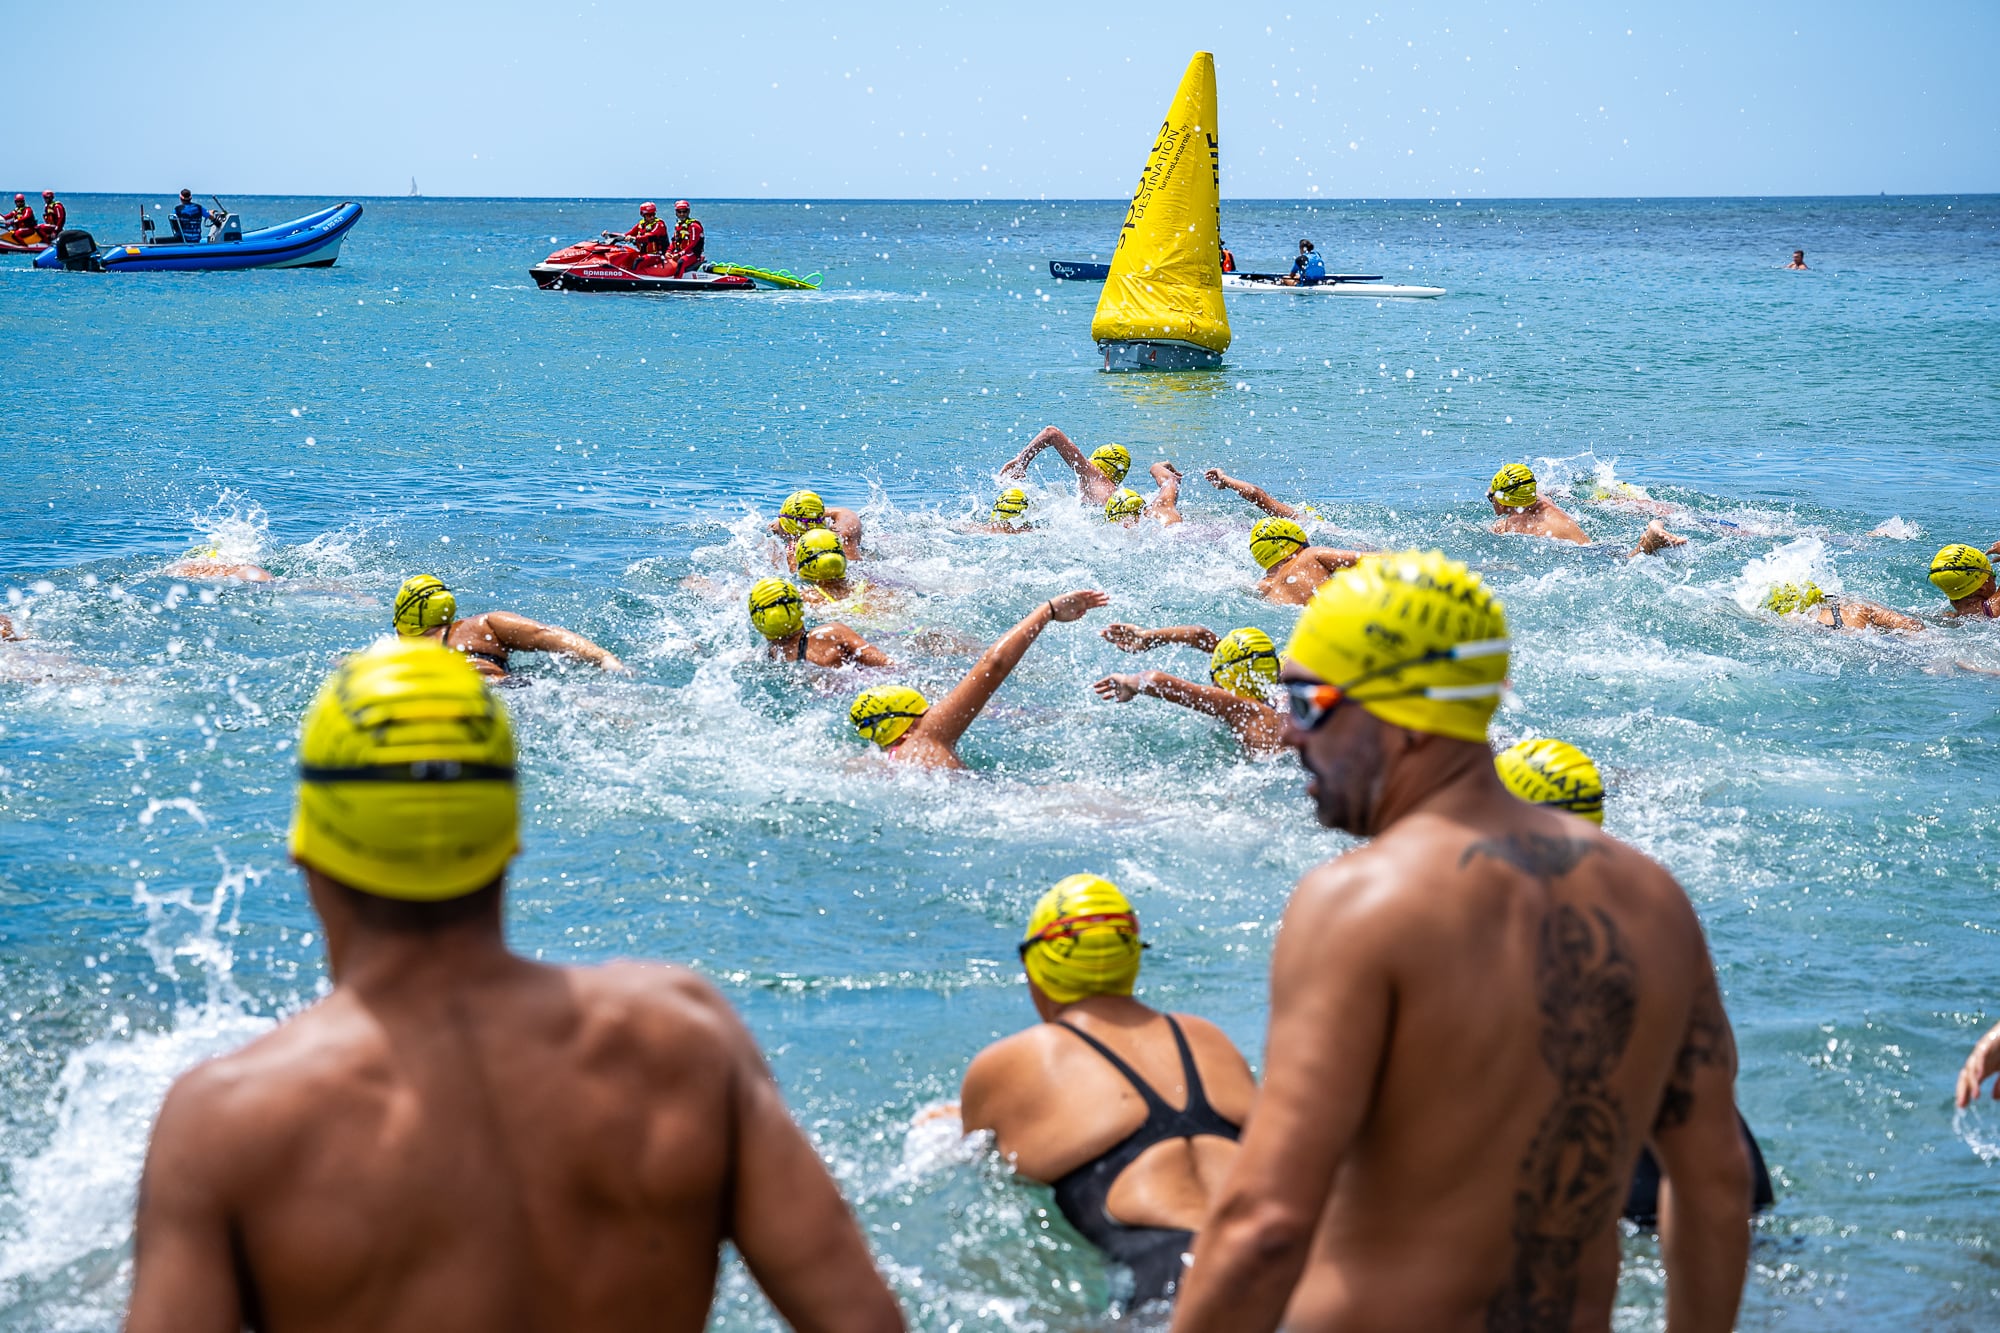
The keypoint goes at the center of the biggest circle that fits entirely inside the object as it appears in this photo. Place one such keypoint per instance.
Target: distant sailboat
(414, 191)
(1162, 306)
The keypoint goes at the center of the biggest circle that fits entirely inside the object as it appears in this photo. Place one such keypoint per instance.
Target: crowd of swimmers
(1493, 1028)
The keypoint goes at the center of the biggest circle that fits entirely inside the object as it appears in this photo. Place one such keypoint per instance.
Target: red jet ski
(612, 265)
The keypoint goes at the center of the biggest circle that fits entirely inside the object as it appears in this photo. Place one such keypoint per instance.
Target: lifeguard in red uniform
(54, 216)
(650, 235)
(20, 223)
(688, 242)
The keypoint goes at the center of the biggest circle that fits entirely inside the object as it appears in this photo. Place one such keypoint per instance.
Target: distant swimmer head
(819, 556)
(801, 510)
(1113, 460)
(1553, 773)
(1276, 539)
(1124, 503)
(1959, 570)
(406, 776)
(883, 713)
(1513, 486)
(422, 604)
(1245, 663)
(1083, 939)
(648, 209)
(1789, 597)
(775, 609)
(1415, 638)
(1012, 503)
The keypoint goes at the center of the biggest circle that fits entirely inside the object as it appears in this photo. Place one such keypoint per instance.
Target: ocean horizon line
(1063, 199)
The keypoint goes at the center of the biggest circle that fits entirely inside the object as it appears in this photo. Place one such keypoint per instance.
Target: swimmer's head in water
(1415, 638)
(406, 776)
(1124, 503)
(1113, 460)
(422, 604)
(1513, 486)
(1012, 503)
(1960, 571)
(775, 609)
(882, 714)
(1275, 539)
(1789, 597)
(1553, 773)
(819, 557)
(1245, 662)
(801, 510)
(1083, 939)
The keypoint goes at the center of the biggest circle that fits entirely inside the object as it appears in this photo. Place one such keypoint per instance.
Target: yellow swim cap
(1083, 939)
(801, 510)
(1553, 773)
(1960, 570)
(1011, 505)
(1789, 597)
(422, 604)
(775, 609)
(819, 556)
(406, 776)
(1513, 486)
(1245, 663)
(1275, 539)
(1413, 637)
(1113, 460)
(1124, 503)
(882, 714)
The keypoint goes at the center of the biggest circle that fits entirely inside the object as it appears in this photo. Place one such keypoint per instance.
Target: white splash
(1801, 561)
(233, 529)
(1897, 529)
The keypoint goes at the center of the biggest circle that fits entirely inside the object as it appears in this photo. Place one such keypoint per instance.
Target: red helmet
(20, 198)
(647, 210)
(681, 207)
(48, 194)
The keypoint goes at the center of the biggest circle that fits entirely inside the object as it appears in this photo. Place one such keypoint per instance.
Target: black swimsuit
(1152, 1253)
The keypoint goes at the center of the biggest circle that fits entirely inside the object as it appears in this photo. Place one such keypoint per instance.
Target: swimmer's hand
(1072, 605)
(1657, 538)
(1128, 637)
(1219, 479)
(1120, 689)
(1982, 1064)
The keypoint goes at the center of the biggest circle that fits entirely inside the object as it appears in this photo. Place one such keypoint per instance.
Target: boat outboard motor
(77, 252)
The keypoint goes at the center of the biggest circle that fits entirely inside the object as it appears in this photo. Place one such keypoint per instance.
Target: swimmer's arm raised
(1165, 505)
(951, 715)
(184, 1270)
(1256, 495)
(1331, 1018)
(520, 634)
(1086, 472)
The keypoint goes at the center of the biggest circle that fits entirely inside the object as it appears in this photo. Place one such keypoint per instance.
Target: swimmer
(910, 729)
(1096, 476)
(1242, 673)
(778, 613)
(209, 564)
(426, 609)
(1130, 1114)
(1798, 260)
(457, 1138)
(1981, 1064)
(1256, 495)
(1526, 514)
(1009, 514)
(1846, 613)
(7, 631)
(804, 510)
(1292, 565)
(817, 557)
(1126, 506)
(1377, 1184)
(1965, 575)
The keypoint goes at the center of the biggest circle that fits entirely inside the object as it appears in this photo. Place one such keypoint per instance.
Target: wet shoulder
(652, 1015)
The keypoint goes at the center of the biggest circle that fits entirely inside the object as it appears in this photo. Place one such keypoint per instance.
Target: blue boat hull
(312, 241)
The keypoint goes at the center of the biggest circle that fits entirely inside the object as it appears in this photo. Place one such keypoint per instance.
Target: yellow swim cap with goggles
(882, 714)
(801, 510)
(422, 604)
(1413, 637)
(1245, 662)
(1789, 597)
(1959, 570)
(819, 557)
(1276, 539)
(406, 776)
(775, 609)
(1113, 460)
(1011, 505)
(1083, 939)
(1124, 503)
(1553, 773)
(1513, 486)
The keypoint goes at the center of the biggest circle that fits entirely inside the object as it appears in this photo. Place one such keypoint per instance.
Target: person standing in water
(911, 731)
(457, 1138)
(1798, 260)
(1964, 574)
(1377, 1181)
(1292, 565)
(1097, 475)
(1525, 513)
(426, 609)
(778, 613)
(1242, 674)
(1131, 1114)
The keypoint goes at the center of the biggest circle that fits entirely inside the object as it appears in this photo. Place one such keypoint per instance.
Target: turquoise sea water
(1829, 801)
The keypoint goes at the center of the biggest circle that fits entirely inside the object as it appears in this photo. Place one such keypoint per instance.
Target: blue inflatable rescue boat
(312, 241)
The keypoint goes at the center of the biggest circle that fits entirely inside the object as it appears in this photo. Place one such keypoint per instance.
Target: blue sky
(959, 100)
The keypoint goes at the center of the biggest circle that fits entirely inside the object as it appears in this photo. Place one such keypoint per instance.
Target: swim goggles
(1067, 927)
(1312, 702)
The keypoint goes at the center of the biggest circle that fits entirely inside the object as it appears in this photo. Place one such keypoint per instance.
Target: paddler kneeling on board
(1525, 513)
(778, 613)
(1130, 1113)
(909, 728)
(458, 1138)
(1307, 269)
(1097, 476)
(804, 510)
(426, 609)
(1242, 674)
(1126, 506)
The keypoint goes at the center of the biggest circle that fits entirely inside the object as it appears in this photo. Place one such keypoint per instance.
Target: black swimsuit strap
(1197, 1096)
(1155, 1104)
